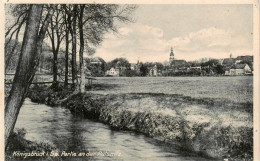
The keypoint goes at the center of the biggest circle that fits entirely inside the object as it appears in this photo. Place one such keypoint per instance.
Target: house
(153, 71)
(227, 70)
(95, 61)
(194, 68)
(246, 59)
(132, 66)
(112, 72)
(240, 69)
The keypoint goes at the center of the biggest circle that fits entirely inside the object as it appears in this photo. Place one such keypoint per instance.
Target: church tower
(171, 56)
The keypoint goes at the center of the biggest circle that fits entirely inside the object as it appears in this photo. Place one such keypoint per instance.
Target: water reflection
(59, 127)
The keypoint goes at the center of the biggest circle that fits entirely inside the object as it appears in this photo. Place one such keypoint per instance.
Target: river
(57, 126)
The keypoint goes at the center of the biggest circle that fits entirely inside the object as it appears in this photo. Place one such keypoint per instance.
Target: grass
(209, 115)
(17, 143)
(237, 89)
(200, 126)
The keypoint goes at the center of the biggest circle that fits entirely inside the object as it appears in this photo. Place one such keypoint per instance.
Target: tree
(131, 73)
(119, 63)
(28, 61)
(143, 70)
(96, 66)
(93, 22)
(159, 65)
(21, 12)
(67, 19)
(56, 34)
(74, 45)
(219, 69)
(11, 55)
(81, 50)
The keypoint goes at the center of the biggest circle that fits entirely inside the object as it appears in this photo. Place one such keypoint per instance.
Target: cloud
(149, 43)
(125, 30)
(210, 39)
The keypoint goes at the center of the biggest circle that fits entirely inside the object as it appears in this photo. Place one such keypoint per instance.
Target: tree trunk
(55, 57)
(22, 76)
(66, 59)
(81, 51)
(67, 25)
(74, 46)
(55, 68)
(28, 61)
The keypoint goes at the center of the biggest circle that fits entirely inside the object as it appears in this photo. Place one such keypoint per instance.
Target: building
(95, 61)
(171, 56)
(239, 69)
(132, 66)
(112, 72)
(153, 71)
(194, 68)
(176, 64)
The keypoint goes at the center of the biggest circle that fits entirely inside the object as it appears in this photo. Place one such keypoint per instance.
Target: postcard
(130, 80)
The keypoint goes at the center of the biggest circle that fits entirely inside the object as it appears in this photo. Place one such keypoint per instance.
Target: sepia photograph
(122, 80)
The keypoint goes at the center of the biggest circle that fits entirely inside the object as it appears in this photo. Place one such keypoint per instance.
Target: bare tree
(81, 50)
(67, 20)
(56, 32)
(28, 61)
(74, 45)
(21, 12)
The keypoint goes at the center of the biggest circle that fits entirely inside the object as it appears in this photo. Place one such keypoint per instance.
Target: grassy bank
(18, 144)
(214, 127)
(199, 125)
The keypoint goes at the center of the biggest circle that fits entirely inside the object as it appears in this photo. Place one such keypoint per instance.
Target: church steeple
(171, 55)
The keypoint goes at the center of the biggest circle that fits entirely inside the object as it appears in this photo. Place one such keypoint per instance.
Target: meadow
(236, 89)
(208, 115)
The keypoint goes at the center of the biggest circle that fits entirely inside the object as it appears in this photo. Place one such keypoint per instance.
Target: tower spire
(171, 55)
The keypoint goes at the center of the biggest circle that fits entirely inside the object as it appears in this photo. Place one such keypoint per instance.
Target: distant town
(121, 67)
(241, 65)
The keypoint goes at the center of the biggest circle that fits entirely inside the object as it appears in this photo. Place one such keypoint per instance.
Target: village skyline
(201, 59)
(224, 30)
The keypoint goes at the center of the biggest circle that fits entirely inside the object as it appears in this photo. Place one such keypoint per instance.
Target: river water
(57, 126)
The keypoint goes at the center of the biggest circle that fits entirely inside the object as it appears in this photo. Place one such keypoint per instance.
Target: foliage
(97, 69)
(219, 69)
(118, 63)
(19, 143)
(85, 105)
(131, 73)
(211, 62)
(99, 19)
(15, 55)
(143, 70)
(48, 95)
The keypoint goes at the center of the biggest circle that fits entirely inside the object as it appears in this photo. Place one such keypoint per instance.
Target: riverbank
(18, 147)
(209, 127)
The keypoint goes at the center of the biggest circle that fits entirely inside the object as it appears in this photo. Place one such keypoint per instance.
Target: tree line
(78, 27)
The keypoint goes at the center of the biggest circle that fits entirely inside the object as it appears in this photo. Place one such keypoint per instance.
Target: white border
(256, 90)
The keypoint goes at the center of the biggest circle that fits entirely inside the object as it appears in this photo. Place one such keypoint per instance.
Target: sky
(194, 31)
